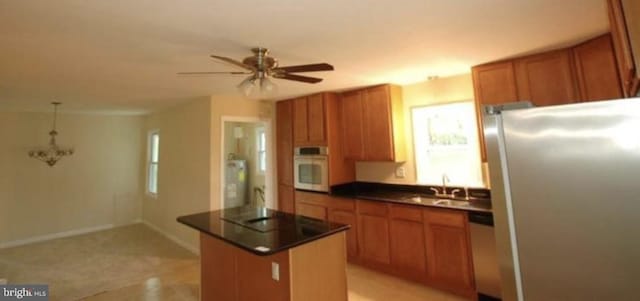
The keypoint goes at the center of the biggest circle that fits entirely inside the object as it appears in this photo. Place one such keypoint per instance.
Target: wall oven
(310, 168)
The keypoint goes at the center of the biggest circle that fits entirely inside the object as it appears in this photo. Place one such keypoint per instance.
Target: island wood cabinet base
(315, 271)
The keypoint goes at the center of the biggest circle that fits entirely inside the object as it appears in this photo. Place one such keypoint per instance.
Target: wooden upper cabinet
(624, 20)
(316, 120)
(284, 142)
(300, 131)
(373, 124)
(546, 79)
(378, 124)
(352, 119)
(309, 121)
(596, 70)
(495, 83)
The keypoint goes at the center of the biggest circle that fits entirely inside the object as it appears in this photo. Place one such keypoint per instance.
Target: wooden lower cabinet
(311, 210)
(373, 240)
(449, 263)
(348, 218)
(408, 255)
(426, 245)
(285, 198)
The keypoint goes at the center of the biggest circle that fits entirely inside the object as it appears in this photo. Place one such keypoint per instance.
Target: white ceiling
(122, 55)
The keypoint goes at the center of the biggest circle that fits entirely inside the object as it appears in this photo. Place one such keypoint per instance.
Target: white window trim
(150, 134)
(415, 152)
(258, 151)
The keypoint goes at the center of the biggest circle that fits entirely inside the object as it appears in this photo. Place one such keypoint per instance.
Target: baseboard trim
(41, 238)
(192, 249)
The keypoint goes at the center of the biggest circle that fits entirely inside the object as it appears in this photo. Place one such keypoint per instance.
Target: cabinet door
(311, 210)
(596, 70)
(622, 45)
(284, 142)
(285, 198)
(352, 135)
(448, 252)
(547, 79)
(348, 218)
(300, 122)
(408, 255)
(493, 84)
(316, 126)
(377, 125)
(373, 238)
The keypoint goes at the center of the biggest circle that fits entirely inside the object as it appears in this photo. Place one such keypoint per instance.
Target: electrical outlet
(400, 172)
(275, 271)
(3, 281)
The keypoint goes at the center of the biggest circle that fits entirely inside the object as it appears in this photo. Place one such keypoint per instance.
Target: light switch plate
(275, 271)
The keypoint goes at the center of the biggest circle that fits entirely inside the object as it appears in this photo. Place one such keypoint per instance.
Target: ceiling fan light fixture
(267, 87)
(247, 85)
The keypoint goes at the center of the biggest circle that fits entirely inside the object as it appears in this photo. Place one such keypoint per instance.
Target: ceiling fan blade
(214, 72)
(305, 68)
(300, 78)
(233, 62)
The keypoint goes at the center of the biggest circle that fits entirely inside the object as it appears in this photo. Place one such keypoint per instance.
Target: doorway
(246, 163)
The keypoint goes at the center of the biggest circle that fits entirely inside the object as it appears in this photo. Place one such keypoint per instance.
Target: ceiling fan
(260, 66)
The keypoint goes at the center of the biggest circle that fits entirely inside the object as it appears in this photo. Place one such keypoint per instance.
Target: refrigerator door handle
(497, 109)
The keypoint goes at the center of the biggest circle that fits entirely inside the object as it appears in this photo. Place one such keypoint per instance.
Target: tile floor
(137, 263)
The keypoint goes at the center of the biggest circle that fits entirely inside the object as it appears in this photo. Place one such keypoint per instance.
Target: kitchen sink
(453, 203)
(425, 200)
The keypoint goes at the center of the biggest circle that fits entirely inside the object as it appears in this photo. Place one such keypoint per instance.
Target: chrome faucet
(445, 179)
(443, 191)
(466, 192)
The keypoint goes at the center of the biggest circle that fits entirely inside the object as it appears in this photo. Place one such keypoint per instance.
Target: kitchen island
(254, 253)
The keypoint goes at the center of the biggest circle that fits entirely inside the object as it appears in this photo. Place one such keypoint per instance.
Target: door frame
(269, 176)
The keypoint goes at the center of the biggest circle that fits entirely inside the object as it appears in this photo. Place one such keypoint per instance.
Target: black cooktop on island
(260, 230)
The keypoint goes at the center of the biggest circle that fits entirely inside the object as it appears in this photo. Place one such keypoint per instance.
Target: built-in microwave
(310, 168)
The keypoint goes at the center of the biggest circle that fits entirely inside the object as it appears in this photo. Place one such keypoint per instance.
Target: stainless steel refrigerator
(565, 184)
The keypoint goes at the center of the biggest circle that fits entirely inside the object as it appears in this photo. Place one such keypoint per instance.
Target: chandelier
(52, 153)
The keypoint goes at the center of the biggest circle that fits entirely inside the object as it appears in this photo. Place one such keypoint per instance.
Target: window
(446, 143)
(152, 169)
(261, 150)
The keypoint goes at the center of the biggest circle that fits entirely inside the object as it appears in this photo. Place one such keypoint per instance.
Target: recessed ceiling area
(123, 55)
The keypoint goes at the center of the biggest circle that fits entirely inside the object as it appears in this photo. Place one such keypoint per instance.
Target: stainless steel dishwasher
(485, 262)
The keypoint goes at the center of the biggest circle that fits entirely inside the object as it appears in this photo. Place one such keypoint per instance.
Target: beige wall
(97, 186)
(444, 90)
(183, 168)
(236, 107)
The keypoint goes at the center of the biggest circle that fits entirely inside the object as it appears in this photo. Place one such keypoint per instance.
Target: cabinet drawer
(406, 212)
(445, 217)
(311, 197)
(373, 208)
(311, 210)
(341, 204)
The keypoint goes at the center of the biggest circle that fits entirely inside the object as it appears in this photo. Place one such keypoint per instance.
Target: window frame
(473, 151)
(261, 151)
(150, 161)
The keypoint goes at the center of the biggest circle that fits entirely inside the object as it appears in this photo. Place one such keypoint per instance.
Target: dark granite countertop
(413, 195)
(259, 230)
